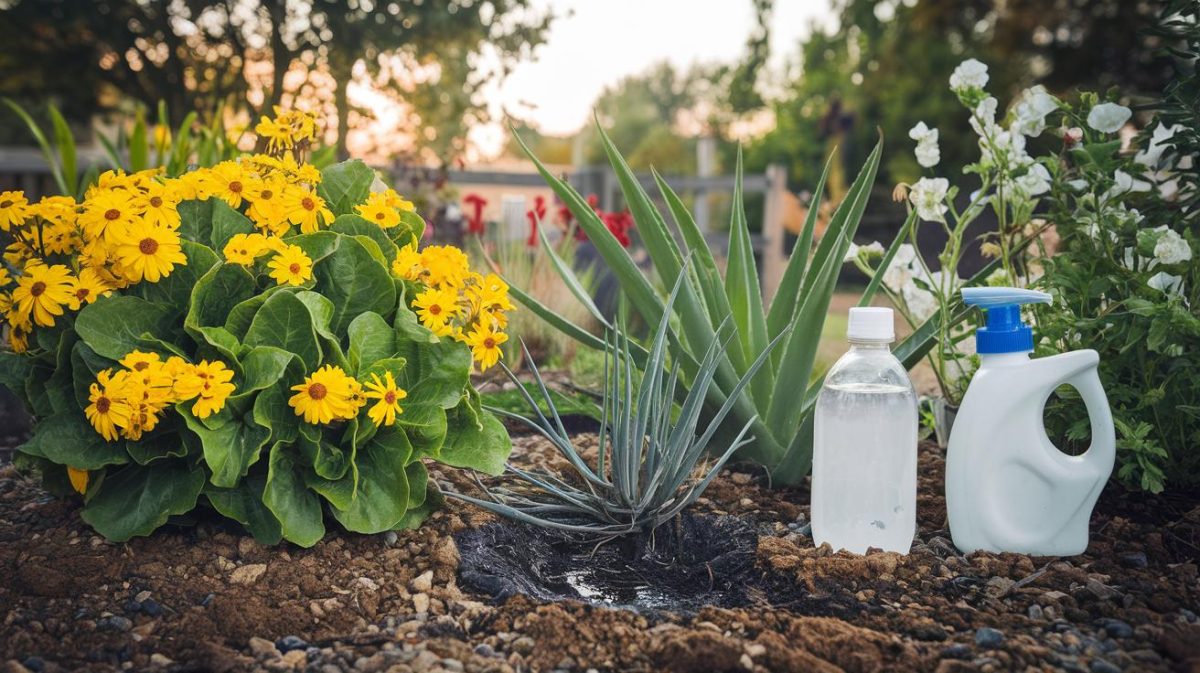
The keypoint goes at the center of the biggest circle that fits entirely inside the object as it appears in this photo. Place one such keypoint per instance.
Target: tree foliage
(196, 54)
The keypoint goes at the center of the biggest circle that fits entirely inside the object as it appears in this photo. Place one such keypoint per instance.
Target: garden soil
(206, 597)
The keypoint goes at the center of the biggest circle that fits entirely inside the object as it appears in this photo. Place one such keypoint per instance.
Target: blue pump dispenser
(1004, 332)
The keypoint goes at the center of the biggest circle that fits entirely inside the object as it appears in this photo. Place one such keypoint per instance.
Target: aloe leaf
(741, 285)
(705, 267)
(784, 414)
(635, 286)
(787, 295)
(65, 140)
(571, 280)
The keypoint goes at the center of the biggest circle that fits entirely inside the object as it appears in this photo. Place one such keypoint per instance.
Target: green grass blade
(571, 280)
(139, 149)
(47, 148)
(566, 326)
(181, 144)
(65, 140)
(111, 151)
(787, 296)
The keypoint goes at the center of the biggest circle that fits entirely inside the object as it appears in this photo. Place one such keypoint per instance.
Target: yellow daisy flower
(149, 253)
(407, 264)
(389, 395)
(108, 215)
(377, 210)
(41, 293)
(160, 204)
(436, 307)
(291, 266)
(244, 248)
(107, 409)
(306, 210)
(88, 287)
(14, 210)
(485, 345)
(324, 396)
(227, 181)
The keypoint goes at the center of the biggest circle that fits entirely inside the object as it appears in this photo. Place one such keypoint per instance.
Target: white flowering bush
(1007, 181)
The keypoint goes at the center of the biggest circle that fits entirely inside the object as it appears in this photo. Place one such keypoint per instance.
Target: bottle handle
(1103, 450)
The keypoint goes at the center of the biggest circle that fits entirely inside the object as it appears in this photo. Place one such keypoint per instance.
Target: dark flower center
(317, 391)
(294, 268)
(37, 289)
(103, 405)
(435, 309)
(307, 203)
(235, 187)
(6, 204)
(390, 397)
(112, 214)
(148, 246)
(155, 201)
(489, 343)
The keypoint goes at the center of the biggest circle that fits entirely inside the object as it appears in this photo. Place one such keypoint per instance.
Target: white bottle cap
(871, 323)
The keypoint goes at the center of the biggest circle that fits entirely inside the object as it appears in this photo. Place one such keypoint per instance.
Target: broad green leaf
(85, 366)
(112, 326)
(244, 504)
(356, 225)
(296, 507)
(317, 245)
(263, 366)
(410, 230)
(231, 445)
(195, 220)
(136, 500)
(166, 441)
(271, 408)
(371, 339)
(14, 371)
(321, 310)
(417, 514)
(284, 322)
(226, 222)
(355, 282)
(237, 322)
(175, 290)
(383, 492)
(483, 447)
(345, 185)
(433, 373)
(68, 439)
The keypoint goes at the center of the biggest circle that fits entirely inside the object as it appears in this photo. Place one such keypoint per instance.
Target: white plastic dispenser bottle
(1008, 488)
(864, 478)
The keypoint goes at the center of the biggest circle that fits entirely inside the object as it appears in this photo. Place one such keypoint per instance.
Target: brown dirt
(209, 598)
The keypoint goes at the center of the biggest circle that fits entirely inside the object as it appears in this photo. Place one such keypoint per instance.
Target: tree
(196, 54)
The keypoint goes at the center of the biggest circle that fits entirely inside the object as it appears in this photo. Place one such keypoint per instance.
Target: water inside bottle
(865, 467)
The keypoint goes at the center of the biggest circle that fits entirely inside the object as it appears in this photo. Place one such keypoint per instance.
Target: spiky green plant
(645, 471)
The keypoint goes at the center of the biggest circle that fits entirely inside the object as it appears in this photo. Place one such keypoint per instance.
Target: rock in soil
(208, 598)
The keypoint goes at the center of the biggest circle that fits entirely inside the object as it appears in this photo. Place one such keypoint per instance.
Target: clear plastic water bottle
(864, 478)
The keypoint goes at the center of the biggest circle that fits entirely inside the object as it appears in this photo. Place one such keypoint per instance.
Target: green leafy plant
(645, 471)
(154, 395)
(780, 420)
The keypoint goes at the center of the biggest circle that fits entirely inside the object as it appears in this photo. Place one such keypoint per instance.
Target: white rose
(1171, 248)
(1165, 282)
(1030, 113)
(928, 196)
(970, 74)
(1108, 117)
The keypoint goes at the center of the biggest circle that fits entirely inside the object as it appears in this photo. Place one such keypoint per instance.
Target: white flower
(928, 196)
(1124, 183)
(1158, 144)
(1073, 136)
(1030, 113)
(1171, 248)
(899, 273)
(970, 74)
(984, 119)
(1108, 117)
(1077, 185)
(1166, 283)
(921, 303)
(1036, 181)
(872, 249)
(928, 154)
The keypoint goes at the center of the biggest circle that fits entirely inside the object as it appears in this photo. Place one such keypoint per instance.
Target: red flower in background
(536, 215)
(475, 219)
(617, 223)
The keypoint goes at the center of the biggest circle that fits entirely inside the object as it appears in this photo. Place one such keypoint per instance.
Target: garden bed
(208, 597)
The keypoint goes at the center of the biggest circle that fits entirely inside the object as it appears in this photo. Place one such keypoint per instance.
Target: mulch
(208, 597)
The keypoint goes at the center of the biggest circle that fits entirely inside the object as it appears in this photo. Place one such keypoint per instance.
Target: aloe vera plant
(646, 467)
(778, 417)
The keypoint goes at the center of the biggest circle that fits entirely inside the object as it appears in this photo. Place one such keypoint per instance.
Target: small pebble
(151, 608)
(485, 650)
(957, 651)
(988, 638)
(1133, 559)
(289, 643)
(1117, 628)
(1102, 666)
(114, 623)
(1035, 613)
(35, 664)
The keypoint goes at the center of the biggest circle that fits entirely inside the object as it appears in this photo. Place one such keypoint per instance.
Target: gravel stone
(988, 638)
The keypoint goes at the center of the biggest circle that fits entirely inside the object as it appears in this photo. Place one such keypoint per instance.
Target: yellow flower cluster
(288, 129)
(455, 301)
(129, 402)
(383, 208)
(330, 394)
(288, 265)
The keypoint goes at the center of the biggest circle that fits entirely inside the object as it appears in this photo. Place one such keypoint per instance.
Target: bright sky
(597, 42)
